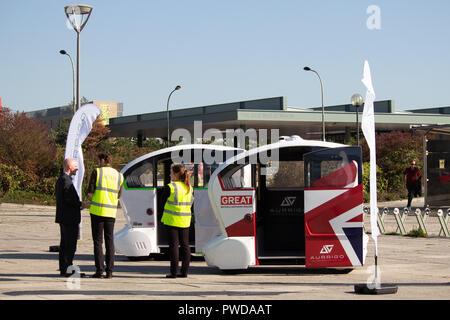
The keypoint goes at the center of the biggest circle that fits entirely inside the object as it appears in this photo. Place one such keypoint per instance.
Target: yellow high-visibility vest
(177, 210)
(107, 187)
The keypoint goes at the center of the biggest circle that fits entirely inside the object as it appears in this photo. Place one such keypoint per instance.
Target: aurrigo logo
(327, 248)
(288, 201)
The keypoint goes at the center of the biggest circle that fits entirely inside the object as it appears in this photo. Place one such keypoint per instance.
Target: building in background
(436, 162)
(53, 116)
(274, 113)
(266, 113)
(110, 109)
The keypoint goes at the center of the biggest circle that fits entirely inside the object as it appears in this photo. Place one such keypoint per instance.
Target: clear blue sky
(137, 51)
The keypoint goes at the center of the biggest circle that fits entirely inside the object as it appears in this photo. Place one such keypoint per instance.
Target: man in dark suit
(68, 215)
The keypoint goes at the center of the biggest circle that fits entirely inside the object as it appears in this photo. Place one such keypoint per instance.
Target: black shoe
(65, 275)
(97, 275)
(181, 275)
(172, 276)
(108, 275)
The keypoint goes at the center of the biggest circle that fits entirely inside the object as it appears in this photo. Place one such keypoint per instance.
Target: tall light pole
(323, 110)
(78, 15)
(168, 124)
(63, 52)
(357, 101)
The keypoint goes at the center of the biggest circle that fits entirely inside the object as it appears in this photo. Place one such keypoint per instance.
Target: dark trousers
(411, 193)
(103, 226)
(179, 237)
(67, 245)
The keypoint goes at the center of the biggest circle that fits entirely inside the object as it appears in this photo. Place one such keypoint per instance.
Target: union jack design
(334, 224)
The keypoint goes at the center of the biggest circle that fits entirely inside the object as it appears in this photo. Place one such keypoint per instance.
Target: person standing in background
(412, 177)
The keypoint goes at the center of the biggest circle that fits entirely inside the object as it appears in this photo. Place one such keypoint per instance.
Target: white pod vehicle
(145, 178)
(304, 201)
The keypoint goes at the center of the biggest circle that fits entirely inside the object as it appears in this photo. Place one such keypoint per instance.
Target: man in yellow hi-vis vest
(105, 184)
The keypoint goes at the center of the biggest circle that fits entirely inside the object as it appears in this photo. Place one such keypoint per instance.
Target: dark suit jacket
(68, 204)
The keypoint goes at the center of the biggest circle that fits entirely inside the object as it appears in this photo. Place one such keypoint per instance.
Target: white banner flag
(79, 129)
(368, 128)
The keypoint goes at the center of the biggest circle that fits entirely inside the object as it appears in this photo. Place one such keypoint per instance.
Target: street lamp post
(78, 15)
(357, 101)
(63, 52)
(321, 90)
(168, 124)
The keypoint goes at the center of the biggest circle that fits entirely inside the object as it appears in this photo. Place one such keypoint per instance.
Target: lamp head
(307, 68)
(62, 51)
(177, 87)
(78, 9)
(78, 15)
(356, 100)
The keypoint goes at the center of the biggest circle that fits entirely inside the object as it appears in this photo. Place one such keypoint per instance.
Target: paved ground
(420, 267)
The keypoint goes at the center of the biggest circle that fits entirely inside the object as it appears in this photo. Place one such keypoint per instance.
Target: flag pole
(368, 128)
(376, 267)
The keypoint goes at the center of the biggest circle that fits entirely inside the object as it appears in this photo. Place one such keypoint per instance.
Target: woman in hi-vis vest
(178, 198)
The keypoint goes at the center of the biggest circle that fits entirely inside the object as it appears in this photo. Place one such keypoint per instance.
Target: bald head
(70, 166)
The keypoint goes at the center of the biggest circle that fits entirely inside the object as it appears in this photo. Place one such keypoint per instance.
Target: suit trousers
(103, 227)
(67, 245)
(179, 237)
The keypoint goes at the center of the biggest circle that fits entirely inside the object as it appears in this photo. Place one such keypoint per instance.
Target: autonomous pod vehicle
(145, 178)
(304, 201)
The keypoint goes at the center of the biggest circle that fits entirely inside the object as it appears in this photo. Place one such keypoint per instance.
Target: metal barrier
(403, 217)
(400, 219)
(443, 221)
(422, 218)
(380, 219)
(366, 210)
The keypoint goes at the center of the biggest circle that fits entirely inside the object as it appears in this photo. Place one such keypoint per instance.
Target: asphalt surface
(418, 267)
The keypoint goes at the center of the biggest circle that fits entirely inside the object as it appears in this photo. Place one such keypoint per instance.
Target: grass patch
(417, 233)
(28, 197)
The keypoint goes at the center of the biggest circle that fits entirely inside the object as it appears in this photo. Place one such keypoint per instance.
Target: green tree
(381, 183)
(27, 157)
(26, 143)
(60, 134)
(395, 150)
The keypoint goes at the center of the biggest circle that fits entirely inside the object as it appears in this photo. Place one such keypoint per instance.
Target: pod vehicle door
(334, 208)
(145, 178)
(291, 207)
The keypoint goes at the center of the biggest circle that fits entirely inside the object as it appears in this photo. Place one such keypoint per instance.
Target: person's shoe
(171, 276)
(65, 275)
(181, 275)
(108, 275)
(97, 275)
